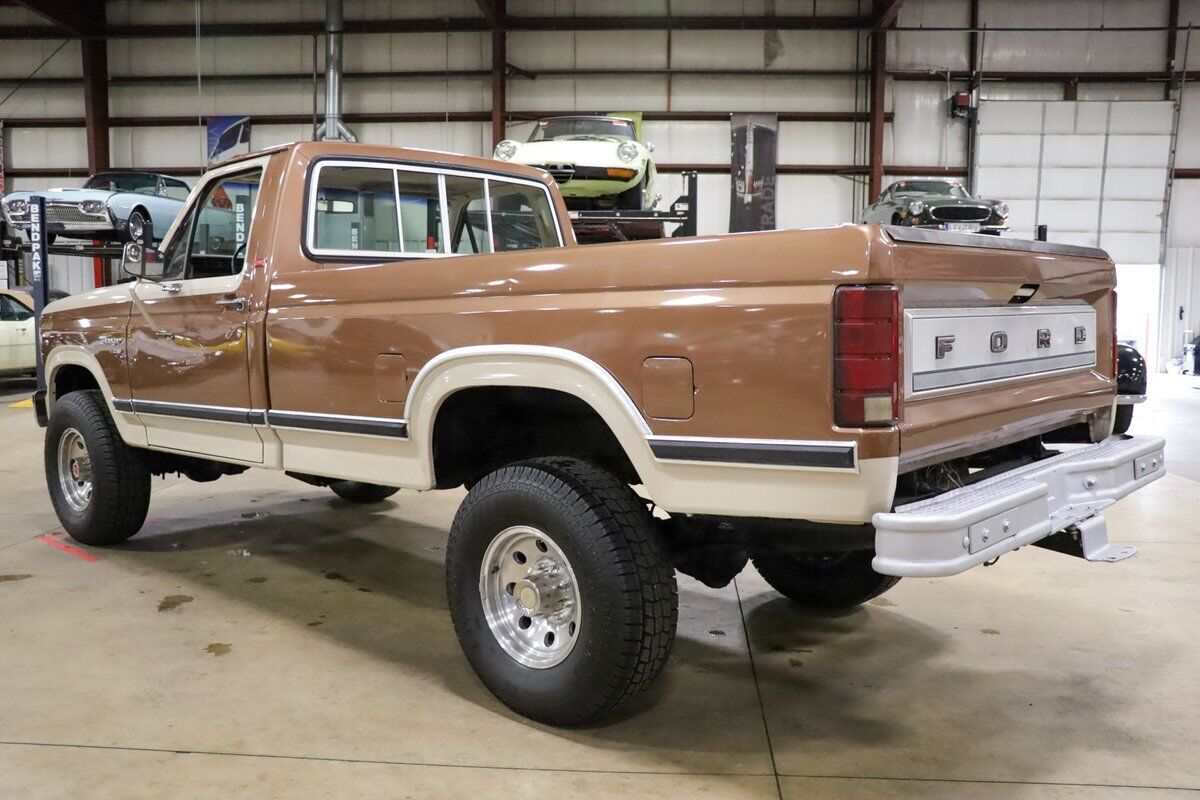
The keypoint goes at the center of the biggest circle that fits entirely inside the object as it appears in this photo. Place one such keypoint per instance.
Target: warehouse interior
(263, 637)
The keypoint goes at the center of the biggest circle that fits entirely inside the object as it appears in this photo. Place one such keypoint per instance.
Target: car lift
(618, 225)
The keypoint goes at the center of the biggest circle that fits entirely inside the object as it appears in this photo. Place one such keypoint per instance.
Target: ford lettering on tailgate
(952, 349)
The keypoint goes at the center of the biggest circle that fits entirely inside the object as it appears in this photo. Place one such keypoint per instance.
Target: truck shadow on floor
(371, 578)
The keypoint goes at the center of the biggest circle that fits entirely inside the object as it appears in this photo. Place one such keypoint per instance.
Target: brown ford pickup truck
(842, 406)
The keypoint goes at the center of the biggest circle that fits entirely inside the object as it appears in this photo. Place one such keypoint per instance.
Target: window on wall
(397, 211)
(356, 210)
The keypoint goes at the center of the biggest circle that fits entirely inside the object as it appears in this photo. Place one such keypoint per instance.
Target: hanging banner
(752, 168)
(227, 137)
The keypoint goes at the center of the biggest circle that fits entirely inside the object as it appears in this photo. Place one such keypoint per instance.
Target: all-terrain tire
(824, 581)
(1123, 419)
(120, 477)
(627, 598)
(359, 492)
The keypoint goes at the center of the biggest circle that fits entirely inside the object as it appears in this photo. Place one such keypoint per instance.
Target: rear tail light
(866, 360)
(1115, 355)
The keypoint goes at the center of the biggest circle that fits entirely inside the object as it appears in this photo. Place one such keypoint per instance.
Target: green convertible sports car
(934, 203)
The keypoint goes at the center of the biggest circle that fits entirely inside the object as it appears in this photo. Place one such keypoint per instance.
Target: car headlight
(1002, 209)
(627, 151)
(916, 207)
(17, 208)
(505, 150)
(91, 207)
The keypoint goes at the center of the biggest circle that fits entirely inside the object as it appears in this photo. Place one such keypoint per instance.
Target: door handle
(171, 288)
(236, 303)
(164, 334)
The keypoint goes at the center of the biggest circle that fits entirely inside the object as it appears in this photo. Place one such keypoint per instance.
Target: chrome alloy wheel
(74, 469)
(137, 226)
(530, 597)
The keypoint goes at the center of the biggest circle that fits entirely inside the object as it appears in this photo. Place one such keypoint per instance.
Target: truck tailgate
(1002, 339)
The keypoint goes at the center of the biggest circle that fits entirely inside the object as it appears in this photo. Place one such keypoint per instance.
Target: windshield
(918, 188)
(582, 128)
(139, 182)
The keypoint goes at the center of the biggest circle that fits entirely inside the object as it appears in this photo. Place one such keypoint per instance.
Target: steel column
(499, 76)
(878, 85)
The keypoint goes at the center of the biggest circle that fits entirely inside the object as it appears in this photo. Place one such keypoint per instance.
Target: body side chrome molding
(332, 423)
(756, 452)
(338, 423)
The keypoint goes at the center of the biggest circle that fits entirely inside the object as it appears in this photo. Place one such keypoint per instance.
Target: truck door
(16, 335)
(187, 338)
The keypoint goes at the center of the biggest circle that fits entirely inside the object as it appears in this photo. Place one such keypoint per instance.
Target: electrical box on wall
(962, 105)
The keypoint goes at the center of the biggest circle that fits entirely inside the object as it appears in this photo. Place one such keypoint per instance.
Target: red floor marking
(66, 548)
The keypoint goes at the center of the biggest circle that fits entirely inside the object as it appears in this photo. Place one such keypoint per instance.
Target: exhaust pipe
(332, 128)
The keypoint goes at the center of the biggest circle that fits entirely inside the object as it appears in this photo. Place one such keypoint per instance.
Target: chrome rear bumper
(963, 528)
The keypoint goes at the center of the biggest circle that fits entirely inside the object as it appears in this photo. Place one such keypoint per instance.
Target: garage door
(1094, 172)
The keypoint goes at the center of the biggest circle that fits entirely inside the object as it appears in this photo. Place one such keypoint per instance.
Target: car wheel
(633, 198)
(359, 492)
(824, 581)
(1123, 419)
(99, 486)
(139, 223)
(561, 595)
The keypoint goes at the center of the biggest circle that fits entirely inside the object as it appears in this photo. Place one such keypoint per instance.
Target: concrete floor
(262, 638)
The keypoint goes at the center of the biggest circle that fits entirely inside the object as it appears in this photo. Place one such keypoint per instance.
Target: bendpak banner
(227, 136)
(752, 168)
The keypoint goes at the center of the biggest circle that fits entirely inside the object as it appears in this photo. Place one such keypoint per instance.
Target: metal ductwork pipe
(332, 128)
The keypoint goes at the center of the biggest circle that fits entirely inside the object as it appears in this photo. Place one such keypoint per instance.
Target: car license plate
(961, 227)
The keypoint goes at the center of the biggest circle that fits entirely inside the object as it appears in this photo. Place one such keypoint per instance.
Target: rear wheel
(100, 486)
(561, 595)
(359, 492)
(1123, 419)
(824, 581)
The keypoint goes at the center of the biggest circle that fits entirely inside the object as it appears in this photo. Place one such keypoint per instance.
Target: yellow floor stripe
(26, 403)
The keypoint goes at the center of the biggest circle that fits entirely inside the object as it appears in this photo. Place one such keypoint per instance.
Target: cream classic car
(597, 161)
(17, 356)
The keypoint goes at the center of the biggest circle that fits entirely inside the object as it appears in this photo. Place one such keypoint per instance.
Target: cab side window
(522, 217)
(397, 211)
(420, 212)
(469, 224)
(212, 241)
(356, 210)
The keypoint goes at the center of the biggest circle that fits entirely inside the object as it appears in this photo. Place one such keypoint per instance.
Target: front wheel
(359, 492)
(139, 223)
(561, 595)
(633, 198)
(100, 486)
(835, 581)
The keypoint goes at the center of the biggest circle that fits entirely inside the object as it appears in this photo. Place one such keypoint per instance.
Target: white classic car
(110, 206)
(597, 161)
(16, 334)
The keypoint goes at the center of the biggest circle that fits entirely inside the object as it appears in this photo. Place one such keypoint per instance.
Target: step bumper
(963, 528)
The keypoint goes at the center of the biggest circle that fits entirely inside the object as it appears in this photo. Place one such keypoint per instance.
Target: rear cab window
(380, 210)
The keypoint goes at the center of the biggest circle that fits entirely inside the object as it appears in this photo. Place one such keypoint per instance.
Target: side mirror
(134, 262)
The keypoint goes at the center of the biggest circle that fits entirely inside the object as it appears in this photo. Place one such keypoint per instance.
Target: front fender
(127, 425)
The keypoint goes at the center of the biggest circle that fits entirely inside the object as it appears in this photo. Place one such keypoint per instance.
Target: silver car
(111, 206)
